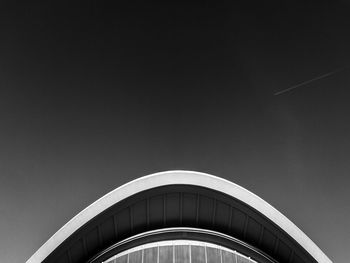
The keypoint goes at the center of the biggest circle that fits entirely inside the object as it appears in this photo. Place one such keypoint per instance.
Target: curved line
(178, 177)
(183, 230)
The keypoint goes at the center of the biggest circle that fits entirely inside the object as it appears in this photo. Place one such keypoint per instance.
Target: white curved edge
(178, 177)
(178, 242)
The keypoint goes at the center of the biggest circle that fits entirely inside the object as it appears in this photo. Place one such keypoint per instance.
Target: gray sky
(94, 96)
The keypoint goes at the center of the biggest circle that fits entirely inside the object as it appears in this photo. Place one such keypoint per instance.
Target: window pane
(122, 259)
(166, 254)
(213, 255)
(197, 254)
(150, 255)
(182, 254)
(228, 257)
(135, 257)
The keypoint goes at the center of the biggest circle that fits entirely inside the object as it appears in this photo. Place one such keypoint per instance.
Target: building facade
(179, 217)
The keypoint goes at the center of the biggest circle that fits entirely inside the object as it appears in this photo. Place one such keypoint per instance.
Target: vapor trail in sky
(307, 82)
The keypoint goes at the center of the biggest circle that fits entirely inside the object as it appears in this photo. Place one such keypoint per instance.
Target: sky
(95, 94)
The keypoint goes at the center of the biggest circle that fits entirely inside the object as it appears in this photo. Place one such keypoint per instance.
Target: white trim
(178, 177)
(177, 242)
(181, 230)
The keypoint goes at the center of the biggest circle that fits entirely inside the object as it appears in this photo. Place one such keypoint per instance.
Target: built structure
(179, 217)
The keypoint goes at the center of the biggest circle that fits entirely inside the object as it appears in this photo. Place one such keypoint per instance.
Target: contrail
(308, 81)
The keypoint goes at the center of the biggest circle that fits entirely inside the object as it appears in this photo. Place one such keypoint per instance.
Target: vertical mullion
(173, 253)
(157, 253)
(142, 254)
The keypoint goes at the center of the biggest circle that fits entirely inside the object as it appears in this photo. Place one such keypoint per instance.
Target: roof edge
(178, 177)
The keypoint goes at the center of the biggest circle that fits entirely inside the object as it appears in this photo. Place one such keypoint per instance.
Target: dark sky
(95, 94)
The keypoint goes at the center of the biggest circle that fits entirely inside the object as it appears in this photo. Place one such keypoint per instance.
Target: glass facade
(179, 251)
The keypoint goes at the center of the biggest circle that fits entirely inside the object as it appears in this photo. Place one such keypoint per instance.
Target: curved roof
(187, 178)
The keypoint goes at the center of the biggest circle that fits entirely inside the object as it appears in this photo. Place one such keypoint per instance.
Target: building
(179, 216)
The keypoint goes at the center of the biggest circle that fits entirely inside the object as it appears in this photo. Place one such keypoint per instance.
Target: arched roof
(191, 179)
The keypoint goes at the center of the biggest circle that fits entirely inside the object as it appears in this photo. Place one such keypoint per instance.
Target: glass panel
(241, 259)
(213, 255)
(197, 254)
(228, 257)
(122, 259)
(166, 254)
(135, 257)
(150, 255)
(182, 254)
